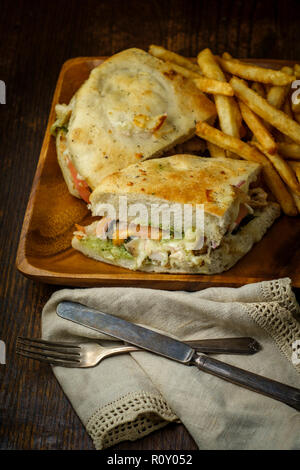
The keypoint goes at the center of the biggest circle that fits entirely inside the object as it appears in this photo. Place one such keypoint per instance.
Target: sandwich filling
(137, 246)
(77, 184)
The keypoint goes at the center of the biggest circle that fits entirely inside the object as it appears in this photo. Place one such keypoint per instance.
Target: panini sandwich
(132, 107)
(236, 215)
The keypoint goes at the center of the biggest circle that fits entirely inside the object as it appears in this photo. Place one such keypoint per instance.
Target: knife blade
(176, 350)
(236, 345)
(126, 331)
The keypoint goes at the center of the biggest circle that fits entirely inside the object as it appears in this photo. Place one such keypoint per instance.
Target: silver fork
(68, 354)
(87, 354)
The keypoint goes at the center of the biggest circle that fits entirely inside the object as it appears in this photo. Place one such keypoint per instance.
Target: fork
(86, 354)
(83, 354)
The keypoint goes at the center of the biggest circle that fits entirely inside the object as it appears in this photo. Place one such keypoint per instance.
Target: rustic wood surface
(35, 39)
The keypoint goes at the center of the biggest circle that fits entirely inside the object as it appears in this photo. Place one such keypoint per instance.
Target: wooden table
(36, 38)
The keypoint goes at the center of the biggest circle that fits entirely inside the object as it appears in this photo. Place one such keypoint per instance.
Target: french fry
(296, 200)
(169, 56)
(183, 71)
(257, 127)
(289, 150)
(209, 66)
(283, 168)
(227, 114)
(227, 142)
(296, 100)
(267, 112)
(215, 151)
(279, 190)
(277, 94)
(233, 155)
(237, 113)
(215, 87)
(259, 88)
(255, 73)
(225, 105)
(296, 168)
(286, 108)
(250, 153)
(288, 70)
(226, 56)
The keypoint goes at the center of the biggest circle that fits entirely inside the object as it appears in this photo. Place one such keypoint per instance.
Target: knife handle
(249, 380)
(243, 345)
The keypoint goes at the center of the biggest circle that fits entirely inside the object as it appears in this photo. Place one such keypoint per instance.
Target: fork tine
(51, 355)
(47, 360)
(48, 343)
(48, 346)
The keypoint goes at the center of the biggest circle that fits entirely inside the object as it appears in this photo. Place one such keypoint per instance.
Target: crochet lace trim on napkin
(279, 323)
(129, 418)
(279, 290)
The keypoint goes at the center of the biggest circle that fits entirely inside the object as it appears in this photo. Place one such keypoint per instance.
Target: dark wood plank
(36, 38)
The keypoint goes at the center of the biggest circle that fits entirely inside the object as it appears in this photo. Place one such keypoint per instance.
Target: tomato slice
(140, 231)
(80, 185)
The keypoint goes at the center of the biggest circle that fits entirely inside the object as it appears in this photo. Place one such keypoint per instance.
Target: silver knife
(176, 350)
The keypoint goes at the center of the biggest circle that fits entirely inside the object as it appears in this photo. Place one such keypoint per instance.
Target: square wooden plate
(277, 255)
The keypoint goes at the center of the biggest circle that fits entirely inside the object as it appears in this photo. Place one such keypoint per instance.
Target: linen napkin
(128, 396)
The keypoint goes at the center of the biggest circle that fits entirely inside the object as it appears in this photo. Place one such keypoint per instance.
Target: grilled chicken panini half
(236, 213)
(132, 107)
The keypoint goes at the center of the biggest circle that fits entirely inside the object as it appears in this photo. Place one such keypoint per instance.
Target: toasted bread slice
(219, 184)
(132, 107)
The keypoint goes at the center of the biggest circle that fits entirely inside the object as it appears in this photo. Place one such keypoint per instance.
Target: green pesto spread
(105, 248)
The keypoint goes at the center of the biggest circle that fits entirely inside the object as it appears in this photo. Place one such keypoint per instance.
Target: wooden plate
(44, 251)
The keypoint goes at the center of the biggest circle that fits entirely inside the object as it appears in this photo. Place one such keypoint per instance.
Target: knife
(236, 345)
(243, 345)
(176, 350)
